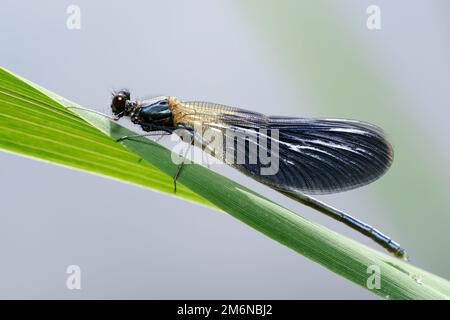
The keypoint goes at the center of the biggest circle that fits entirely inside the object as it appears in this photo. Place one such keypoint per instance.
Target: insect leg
(185, 134)
(143, 135)
(180, 166)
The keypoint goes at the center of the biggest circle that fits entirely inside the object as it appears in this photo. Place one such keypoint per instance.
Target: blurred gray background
(297, 58)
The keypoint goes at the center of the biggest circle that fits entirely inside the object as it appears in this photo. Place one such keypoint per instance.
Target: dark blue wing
(318, 156)
(315, 156)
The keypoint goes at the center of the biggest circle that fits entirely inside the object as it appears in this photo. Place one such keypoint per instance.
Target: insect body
(314, 156)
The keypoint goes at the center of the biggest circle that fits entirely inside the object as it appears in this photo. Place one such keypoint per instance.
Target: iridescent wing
(315, 156)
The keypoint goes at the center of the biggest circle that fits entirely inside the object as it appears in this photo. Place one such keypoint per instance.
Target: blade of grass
(38, 123)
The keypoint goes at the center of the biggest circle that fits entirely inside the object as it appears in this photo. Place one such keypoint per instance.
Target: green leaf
(38, 123)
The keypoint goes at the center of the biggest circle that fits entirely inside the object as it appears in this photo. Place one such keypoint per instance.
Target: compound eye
(118, 103)
(119, 99)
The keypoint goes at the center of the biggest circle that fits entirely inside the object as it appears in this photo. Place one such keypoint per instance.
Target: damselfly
(315, 156)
